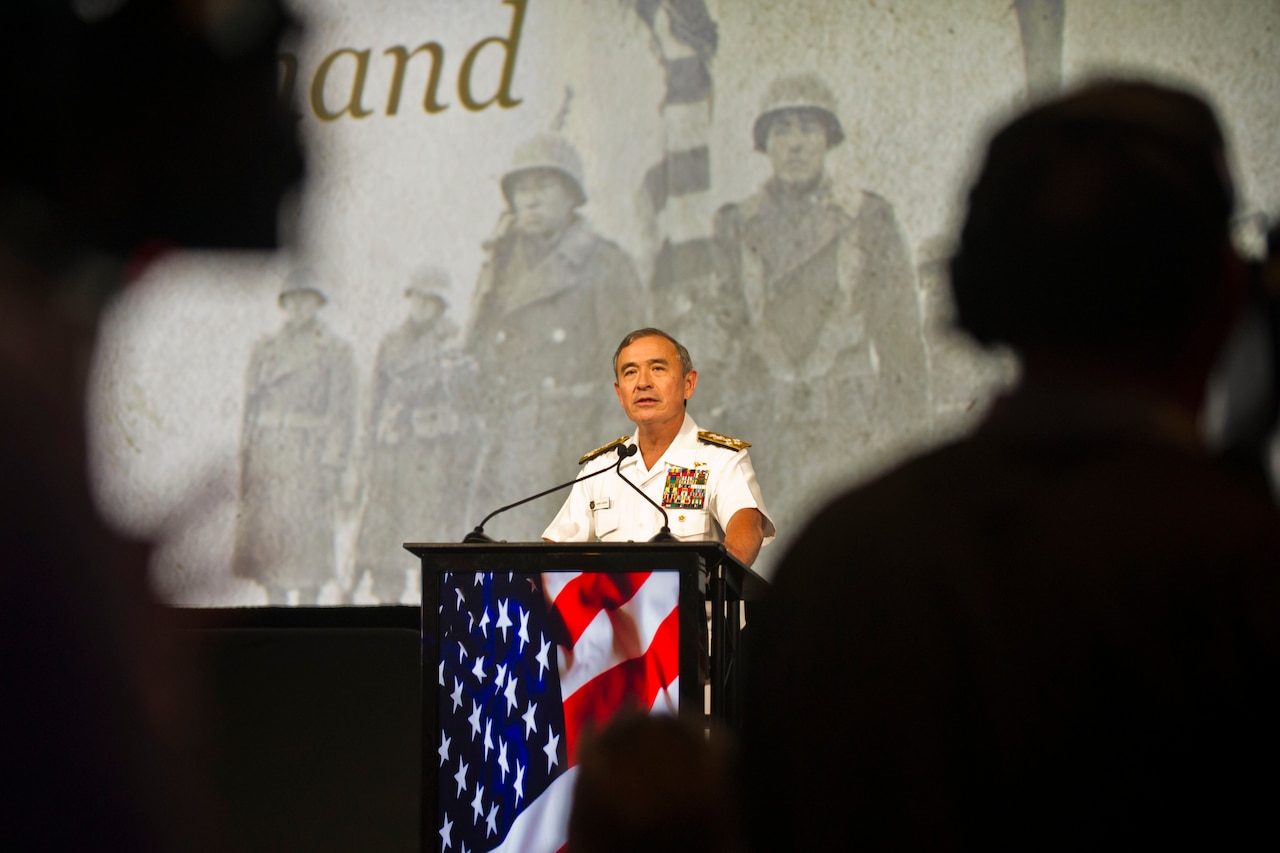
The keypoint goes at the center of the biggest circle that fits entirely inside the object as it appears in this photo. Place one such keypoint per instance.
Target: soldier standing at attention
(297, 432)
(415, 434)
(826, 291)
(552, 298)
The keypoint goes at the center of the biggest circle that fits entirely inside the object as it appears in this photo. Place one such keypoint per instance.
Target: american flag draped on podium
(528, 663)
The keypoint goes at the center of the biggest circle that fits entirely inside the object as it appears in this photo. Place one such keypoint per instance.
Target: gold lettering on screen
(429, 102)
(348, 67)
(357, 86)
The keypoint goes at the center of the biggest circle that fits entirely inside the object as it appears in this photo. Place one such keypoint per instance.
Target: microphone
(663, 535)
(478, 535)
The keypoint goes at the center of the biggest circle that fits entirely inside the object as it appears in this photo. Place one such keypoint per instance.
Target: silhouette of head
(652, 782)
(146, 121)
(1098, 221)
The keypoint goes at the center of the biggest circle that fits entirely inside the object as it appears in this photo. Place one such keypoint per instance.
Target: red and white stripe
(625, 646)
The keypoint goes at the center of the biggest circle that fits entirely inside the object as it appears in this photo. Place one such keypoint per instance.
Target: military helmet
(429, 281)
(300, 281)
(804, 91)
(547, 151)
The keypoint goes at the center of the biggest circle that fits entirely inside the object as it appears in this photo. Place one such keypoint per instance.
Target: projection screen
(422, 353)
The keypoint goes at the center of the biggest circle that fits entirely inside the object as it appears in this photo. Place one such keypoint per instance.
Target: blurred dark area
(314, 725)
(156, 122)
(1059, 631)
(130, 127)
(655, 782)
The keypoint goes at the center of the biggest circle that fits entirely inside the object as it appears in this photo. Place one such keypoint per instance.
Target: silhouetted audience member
(128, 126)
(653, 782)
(1063, 631)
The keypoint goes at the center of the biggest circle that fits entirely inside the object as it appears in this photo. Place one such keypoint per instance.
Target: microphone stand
(663, 535)
(479, 536)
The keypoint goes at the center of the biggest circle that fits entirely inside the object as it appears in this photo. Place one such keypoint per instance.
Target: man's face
(541, 201)
(651, 384)
(424, 307)
(301, 306)
(797, 146)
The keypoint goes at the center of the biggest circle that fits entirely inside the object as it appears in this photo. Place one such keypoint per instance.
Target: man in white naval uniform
(704, 480)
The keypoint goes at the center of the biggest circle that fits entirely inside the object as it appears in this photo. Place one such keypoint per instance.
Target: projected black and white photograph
(775, 185)
(977, 297)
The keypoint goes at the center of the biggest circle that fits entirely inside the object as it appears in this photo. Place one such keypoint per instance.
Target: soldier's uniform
(701, 480)
(416, 434)
(294, 444)
(827, 293)
(543, 327)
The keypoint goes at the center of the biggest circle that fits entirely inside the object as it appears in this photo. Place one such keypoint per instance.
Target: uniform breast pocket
(691, 525)
(606, 522)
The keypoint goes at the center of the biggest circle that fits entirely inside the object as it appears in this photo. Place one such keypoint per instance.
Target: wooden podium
(527, 646)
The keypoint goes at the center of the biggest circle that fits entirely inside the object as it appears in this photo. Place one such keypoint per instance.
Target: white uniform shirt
(700, 485)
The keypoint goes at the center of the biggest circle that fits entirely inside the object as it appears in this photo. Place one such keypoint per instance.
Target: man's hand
(744, 535)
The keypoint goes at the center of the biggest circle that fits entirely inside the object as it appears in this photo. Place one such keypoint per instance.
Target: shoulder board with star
(734, 444)
(603, 449)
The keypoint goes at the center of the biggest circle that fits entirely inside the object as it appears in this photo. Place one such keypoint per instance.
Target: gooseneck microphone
(478, 535)
(663, 535)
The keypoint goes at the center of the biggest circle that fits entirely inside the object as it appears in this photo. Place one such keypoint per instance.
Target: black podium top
(741, 583)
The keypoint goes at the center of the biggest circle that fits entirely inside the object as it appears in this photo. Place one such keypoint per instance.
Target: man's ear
(690, 382)
(617, 389)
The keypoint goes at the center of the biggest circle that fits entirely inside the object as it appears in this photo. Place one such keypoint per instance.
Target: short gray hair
(686, 363)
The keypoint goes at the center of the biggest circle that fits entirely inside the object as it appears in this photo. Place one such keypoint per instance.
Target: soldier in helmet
(825, 289)
(414, 433)
(552, 298)
(293, 449)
